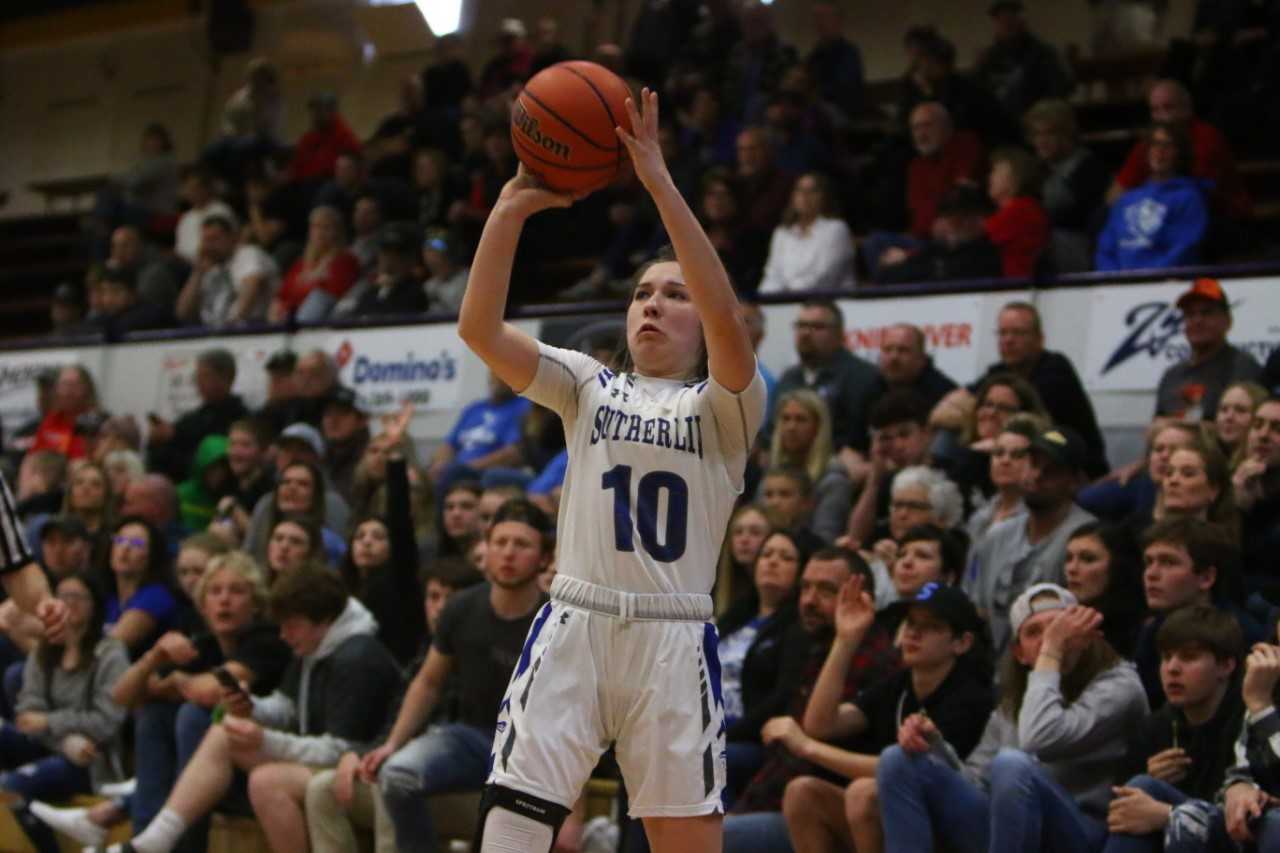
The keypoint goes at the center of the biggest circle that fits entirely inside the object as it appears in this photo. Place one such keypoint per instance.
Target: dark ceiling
(12, 10)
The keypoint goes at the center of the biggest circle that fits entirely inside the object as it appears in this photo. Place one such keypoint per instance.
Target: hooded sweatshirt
(1155, 226)
(1082, 744)
(334, 700)
(198, 503)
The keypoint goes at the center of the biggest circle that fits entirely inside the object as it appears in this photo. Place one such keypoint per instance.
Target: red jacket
(1020, 230)
(317, 151)
(1213, 161)
(928, 178)
(335, 276)
(57, 432)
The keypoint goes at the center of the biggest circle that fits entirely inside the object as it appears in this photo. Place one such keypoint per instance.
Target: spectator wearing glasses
(140, 606)
(1008, 465)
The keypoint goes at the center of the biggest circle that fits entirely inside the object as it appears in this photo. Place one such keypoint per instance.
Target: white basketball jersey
(655, 467)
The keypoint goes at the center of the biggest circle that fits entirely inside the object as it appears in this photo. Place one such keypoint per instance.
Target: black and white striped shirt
(14, 551)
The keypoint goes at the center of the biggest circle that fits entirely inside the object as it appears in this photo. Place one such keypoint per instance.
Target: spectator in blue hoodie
(1162, 222)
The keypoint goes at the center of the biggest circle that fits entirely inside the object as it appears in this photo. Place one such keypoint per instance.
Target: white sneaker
(115, 790)
(74, 823)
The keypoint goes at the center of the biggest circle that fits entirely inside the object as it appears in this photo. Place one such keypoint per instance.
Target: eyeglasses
(918, 506)
(134, 542)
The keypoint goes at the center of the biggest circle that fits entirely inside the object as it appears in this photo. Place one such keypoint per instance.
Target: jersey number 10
(648, 491)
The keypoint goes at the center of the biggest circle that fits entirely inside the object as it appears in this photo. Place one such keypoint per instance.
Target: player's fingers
(651, 111)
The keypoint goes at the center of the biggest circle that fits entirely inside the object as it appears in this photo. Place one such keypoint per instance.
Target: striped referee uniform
(14, 551)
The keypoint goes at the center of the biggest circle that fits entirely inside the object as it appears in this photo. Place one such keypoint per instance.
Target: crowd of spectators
(803, 180)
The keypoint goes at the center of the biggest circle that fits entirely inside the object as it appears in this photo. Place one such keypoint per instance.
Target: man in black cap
(396, 288)
(1018, 68)
(959, 249)
(1190, 389)
(282, 407)
(1031, 548)
(66, 546)
(345, 427)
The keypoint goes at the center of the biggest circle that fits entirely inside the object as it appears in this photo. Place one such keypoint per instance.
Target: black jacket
(930, 386)
(173, 458)
(938, 262)
(1210, 746)
(771, 672)
(848, 385)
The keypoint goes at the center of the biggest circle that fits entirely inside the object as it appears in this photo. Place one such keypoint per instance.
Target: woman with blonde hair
(322, 276)
(802, 440)
(1236, 406)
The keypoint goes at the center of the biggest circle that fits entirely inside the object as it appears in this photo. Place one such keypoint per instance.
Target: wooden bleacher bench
(71, 190)
(1120, 74)
(14, 840)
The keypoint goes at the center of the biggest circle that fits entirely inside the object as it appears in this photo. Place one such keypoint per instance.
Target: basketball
(562, 126)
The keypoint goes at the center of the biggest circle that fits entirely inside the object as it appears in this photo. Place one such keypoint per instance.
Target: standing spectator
(316, 153)
(1022, 551)
(229, 283)
(269, 230)
(512, 61)
(170, 447)
(1019, 228)
(446, 272)
(835, 63)
(1209, 158)
(1163, 222)
(74, 395)
(1076, 179)
(812, 249)
(826, 366)
(252, 124)
(322, 276)
(1191, 388)
(446, 80)
(905, 366)
(486, 436)
(765, 189)
(755, 64)
(198, 193)
(1018, 68)
(395, 289)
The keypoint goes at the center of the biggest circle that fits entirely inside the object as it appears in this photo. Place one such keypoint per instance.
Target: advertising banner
(385, 367)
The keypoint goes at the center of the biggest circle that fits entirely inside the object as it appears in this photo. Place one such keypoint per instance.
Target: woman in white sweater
(812, 249)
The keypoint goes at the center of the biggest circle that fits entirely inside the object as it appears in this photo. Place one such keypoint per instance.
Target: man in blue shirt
(484, 443)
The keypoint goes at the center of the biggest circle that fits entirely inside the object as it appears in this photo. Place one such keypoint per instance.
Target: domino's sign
(388, 366)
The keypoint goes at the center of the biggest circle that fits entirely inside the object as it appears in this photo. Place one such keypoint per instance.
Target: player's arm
(730, 358)
(23, 579)
(508, 352)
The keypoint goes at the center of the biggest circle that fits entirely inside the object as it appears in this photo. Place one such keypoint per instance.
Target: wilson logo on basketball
(528, 125)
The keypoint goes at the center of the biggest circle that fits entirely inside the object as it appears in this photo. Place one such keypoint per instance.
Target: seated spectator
(932, 77)
(919, 495)
(485, 437)
(89, 500)
(812, 249)
(794, 128)
(764, 190)
(173, 687)
(117, 433)
(1190, 388)
(300, 488)
(333, 695)
(1018, 68)
(755, 822)
(492, 499)
(899, 439)
(1103, 570)
(488, 618)
(959, 248)
(124, 310)
(210, 481)
(324, 273)
(140, 605)
(436, 187)
(834, 62)
(295, 544)
(230, 284)
(904, 365)
(316, 153)
(66, 738)
(269, 230)
(1067, 702)
(171, 447)
(189, 567)
(705, 131)
(802, 440)
(156, 276)
(756, 679)
(154, 498)
(1236, 406)
(1187, 562)
(787, 497)
(366, 201)
(395, 287)
(1197, 484)
(945, 679)
(1133, 491)
(1183, 750)
(381, 566)
(1008, 467)
(926, 554)
(494, 164)
(367, 218)
(967, 457)
(446, 271)
(1025, 550)
(459, 517)
(1256, 484)
(345, 428)
(742, 247)
(298, 443)
(253, 476)
(390, 148)
(1019, 228)
(74, 395)
(1209, 158)
(1162, 222)
(1076, 179)
(202, 203)
(944, 158)
(369, 485)
(315, 379)
(735, 592)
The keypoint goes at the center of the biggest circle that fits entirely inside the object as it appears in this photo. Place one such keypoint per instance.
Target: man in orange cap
(1190, 389)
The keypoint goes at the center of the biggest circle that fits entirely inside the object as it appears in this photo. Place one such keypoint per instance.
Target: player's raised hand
(524, 196)
(642, 143)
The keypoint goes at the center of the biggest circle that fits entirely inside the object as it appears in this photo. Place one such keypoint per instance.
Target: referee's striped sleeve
(14, 551)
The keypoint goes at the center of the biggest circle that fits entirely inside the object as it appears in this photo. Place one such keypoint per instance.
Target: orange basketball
(562, 126)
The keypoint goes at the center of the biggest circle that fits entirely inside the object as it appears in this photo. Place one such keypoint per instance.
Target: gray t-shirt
(1004, 562)
(1177, 395)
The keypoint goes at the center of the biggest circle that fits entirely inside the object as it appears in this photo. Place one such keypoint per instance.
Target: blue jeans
(1200, 827)
(742, 759)
(919, 792)
(166, 735)
(443, 759)
(1031, 811)
(756, 832)
(12, 686)
(35, 773)
(1152, 842)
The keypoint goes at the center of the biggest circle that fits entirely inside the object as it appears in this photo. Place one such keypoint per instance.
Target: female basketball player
(624, 653)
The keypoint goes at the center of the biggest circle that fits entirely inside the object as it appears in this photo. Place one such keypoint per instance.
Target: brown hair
(1203, 626)
(1097, 658)
(318, 596)
(1028, 176)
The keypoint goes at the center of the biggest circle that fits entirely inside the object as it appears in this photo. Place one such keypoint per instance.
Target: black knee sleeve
(522, 804)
